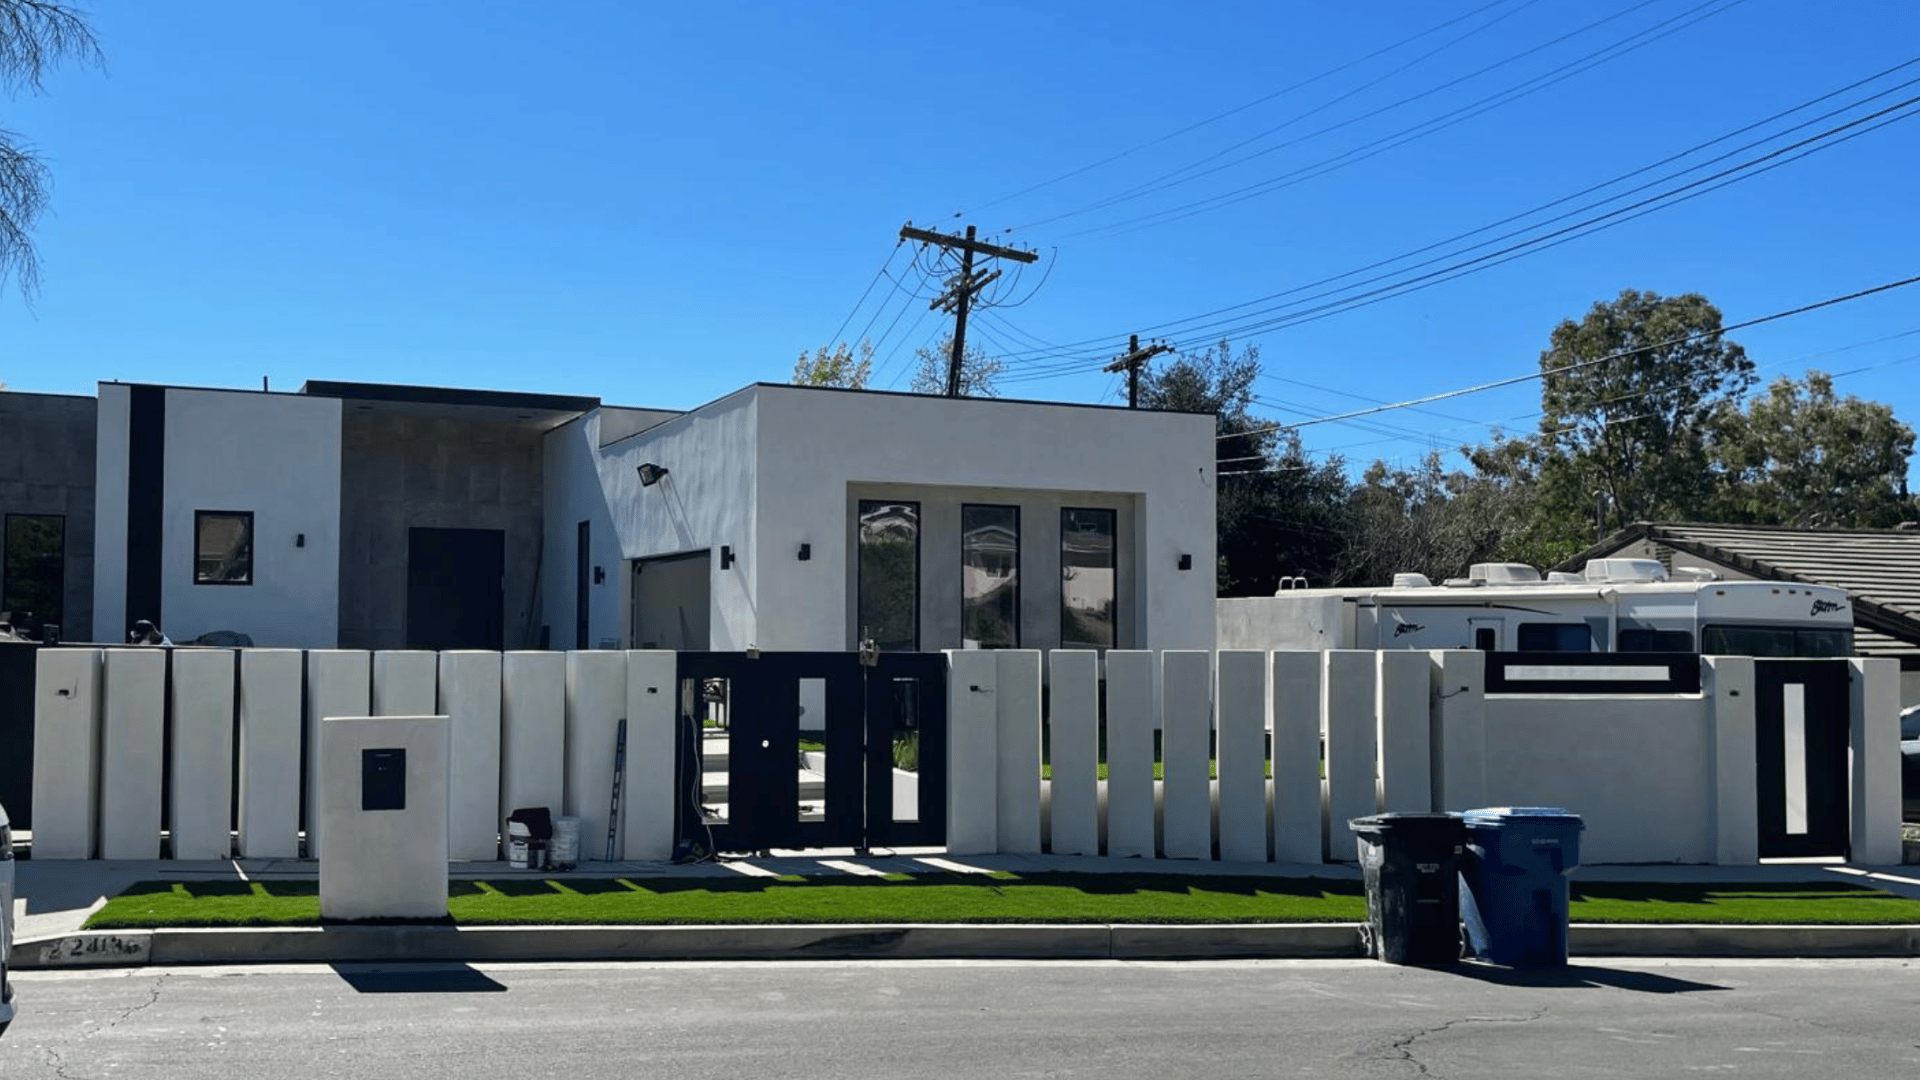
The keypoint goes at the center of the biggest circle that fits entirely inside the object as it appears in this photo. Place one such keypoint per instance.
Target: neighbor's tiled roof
(1879, 568)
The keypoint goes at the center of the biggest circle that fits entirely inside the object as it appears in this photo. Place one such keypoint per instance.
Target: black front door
(455, 596)
(1802, 725)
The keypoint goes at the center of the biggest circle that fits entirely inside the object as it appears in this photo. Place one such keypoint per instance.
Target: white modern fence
(1657, 777)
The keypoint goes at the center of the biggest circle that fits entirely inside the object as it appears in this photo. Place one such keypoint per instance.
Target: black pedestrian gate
(800, 750)
(1803, 723)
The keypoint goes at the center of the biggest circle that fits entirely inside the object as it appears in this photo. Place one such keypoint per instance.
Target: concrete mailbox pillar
(383, 804)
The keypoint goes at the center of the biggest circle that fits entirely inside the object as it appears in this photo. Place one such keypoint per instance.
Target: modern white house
(778, 517)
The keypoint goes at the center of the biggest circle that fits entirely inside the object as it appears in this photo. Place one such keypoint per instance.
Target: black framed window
(889, 574)
(990, 576)
(1556, 637)
(1088, 578)
(223, 547)
(33, 580)
(1642, 639)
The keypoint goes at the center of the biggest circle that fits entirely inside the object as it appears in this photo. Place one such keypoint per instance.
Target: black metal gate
(754, 727)
(1803, 722)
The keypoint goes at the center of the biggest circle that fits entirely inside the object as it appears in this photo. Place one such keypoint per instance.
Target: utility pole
(1131, 362)
(962, 286)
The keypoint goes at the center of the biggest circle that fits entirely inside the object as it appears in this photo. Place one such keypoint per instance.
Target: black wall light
(726, 557)
(651, 474)
(599, 574)
(806, 552)
(1186, 562)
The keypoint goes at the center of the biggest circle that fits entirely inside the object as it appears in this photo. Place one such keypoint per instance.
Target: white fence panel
(404, 683)
(533, 746)
(647, 794)
(66, 753)
(132, 764)
(339, 683)
(469, 695)
(1073, 744)
(973, 735)
(1406, 765)
(1459, 729)
(1241, 704)
(1352, 729)
(596, 699)
(1186, 732)
(269, 754)
(1131, 718)
(1298, 836)
(1017, 701)
(201, 818)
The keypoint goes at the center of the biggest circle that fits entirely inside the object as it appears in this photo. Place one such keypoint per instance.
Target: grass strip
(1060, 897)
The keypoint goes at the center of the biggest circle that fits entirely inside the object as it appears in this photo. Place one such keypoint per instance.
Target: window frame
(199, 518)
(859, 565)
(1015, 509)
(1557, 630)
(1113, 567)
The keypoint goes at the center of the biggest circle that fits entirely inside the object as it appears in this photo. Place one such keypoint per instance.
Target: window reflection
(33, 578)
(223, 547)
(890, 574)
(990, 577)
(1087, 579)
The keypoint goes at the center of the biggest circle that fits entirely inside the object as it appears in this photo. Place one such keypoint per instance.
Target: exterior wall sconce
(726, 557)
(599, 574)
(806, 552)
(1186, 562)
(299, 539)
(651, 474)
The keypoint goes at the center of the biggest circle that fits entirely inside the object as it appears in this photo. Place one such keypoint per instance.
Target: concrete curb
(876, 942)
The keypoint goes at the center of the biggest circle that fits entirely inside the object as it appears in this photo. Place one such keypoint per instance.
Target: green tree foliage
(978, 371)
(1280, 514)
(1437, 521)
(35, 36)
(840, 365)
(1627, 395)
(1800, 455)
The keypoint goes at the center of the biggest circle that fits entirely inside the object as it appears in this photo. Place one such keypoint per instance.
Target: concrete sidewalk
(57, 896)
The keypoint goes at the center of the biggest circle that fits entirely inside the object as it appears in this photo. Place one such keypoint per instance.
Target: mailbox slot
(383, 779)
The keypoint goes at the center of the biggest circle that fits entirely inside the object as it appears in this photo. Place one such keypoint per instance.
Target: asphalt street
(957, 1020)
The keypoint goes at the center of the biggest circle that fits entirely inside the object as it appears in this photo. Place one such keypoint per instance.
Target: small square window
(223, 547)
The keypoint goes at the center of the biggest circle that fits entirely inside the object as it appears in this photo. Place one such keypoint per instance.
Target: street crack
(1404, 1046)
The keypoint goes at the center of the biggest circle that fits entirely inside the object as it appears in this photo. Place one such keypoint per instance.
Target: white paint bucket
(566, 841)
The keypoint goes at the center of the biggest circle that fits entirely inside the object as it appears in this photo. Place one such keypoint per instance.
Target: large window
(1775, 641)
(222, 547)
(1087, 578)
(34, 575)
(990, 576)
(889, 585)
(1641, 639)
(1555, 637)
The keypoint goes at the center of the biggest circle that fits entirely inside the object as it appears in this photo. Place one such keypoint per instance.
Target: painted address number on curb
(97, 949)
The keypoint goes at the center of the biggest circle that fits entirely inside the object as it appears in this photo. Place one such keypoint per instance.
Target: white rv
(1615, 605)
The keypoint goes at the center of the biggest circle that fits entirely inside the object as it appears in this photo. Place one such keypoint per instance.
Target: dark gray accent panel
(47, 448)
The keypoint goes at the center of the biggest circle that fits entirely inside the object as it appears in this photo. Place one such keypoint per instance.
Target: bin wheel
(1368, 946)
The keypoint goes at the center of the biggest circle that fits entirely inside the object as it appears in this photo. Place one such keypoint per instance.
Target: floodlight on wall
(651, 474)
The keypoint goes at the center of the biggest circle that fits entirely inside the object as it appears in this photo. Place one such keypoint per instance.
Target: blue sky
(657, 204)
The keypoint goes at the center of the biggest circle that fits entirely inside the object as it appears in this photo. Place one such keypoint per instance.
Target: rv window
(1656, 641)
(1484, 639)
(1555, 637)
(1775, 641)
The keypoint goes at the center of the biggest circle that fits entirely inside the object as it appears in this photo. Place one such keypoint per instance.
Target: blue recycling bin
(1513, 884)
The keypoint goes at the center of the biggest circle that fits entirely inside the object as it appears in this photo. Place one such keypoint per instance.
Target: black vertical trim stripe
(146, 503)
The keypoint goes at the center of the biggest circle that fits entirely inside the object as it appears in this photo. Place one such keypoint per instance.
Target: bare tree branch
(35, 35)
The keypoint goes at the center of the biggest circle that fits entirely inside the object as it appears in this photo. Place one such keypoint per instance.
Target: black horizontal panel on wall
(1592, 673)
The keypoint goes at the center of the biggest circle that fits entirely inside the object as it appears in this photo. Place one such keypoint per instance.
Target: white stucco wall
(277, 455)
(110, 514)
(705, 501)
(815, 443)
(1638, 769)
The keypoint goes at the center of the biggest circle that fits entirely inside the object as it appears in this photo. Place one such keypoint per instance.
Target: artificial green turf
(1056, 897)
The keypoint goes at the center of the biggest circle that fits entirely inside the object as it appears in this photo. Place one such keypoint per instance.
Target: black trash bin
(1412, 864)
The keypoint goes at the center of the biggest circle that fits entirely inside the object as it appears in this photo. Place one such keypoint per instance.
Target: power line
(1582, 364)
(1233, 111)
(877, 275)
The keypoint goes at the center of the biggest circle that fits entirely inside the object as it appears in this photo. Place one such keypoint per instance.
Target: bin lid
(1374, 824)
(1496, 816)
